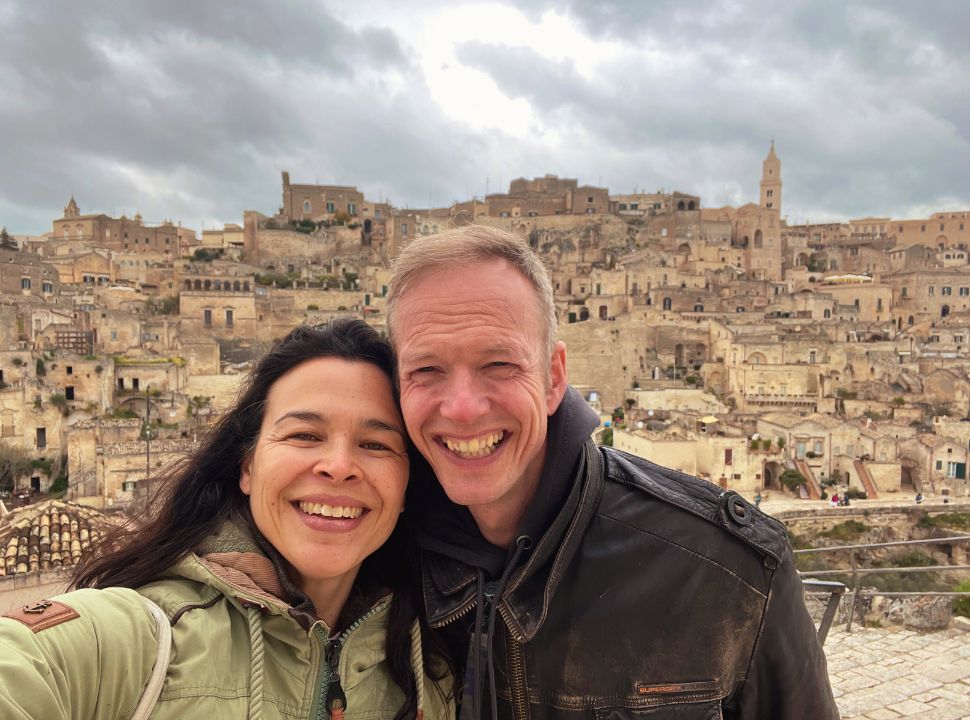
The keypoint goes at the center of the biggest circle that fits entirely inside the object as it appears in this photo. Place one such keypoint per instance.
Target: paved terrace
(882, 674)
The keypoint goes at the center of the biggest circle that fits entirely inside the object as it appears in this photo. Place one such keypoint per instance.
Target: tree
(14, 463)
(7, 242)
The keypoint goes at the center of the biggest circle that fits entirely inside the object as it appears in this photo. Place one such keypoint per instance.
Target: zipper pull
(336, 701)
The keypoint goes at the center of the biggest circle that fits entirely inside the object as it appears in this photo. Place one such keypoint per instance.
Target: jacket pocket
(668, 701)
(706, 710)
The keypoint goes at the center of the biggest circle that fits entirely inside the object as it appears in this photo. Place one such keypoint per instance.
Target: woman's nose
(337, 461)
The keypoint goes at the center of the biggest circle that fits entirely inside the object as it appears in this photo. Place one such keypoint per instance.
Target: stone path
(881, 674)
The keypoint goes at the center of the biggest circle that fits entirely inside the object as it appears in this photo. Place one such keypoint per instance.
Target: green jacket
(236, 649)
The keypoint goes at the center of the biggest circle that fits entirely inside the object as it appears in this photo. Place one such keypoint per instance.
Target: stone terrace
(880, 674)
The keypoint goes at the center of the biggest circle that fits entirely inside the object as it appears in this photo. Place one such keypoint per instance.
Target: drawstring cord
(256, 660)
(522, 543)
(417, 665)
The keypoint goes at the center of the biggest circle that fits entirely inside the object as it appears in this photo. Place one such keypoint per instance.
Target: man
(572, 580)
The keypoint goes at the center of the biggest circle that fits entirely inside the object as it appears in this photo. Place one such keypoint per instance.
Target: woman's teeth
(335, 511)
(476, 447)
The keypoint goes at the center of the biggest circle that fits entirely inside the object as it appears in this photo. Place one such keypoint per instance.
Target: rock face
(926, 613)
(915, 613)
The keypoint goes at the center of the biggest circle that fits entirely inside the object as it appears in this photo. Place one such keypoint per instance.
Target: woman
(273, 559)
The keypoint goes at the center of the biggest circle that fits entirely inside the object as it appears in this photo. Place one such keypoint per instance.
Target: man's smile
(475, 447)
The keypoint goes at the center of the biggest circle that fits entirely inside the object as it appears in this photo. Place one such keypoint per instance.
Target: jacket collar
(449, 584)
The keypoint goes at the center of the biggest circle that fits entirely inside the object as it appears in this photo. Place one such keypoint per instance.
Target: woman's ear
(245, 475)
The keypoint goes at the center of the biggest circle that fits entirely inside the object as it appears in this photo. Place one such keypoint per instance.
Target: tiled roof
(48, 535)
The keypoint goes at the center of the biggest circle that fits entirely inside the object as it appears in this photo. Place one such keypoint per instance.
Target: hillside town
(800, 360)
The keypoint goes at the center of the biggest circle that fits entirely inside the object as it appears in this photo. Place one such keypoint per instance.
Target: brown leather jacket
(652, 595)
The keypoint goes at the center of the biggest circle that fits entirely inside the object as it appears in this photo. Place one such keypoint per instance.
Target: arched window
(911, 320)
(667, 303)
(188, 284)
(827, 314)
(680, 205)
(198, 284)
(690, 205)
(698, 307)
(306, 206)
(584, 314)
(758, 240)
(235, 285)
(246, 286)
(207, 285)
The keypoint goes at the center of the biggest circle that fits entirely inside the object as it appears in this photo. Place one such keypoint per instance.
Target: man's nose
(337, 461)
(465, 398)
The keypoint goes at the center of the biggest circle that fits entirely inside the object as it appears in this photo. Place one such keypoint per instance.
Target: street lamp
(147, 431)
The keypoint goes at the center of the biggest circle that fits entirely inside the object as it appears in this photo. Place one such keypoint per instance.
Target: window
(404, 229)
(958, 339)
(964, 291)
(818, 447)
(207, 318)
(48, 287)
(956, 470)
(69, 369)
(41, 438)
(134, 383)
(922, 228)
(351, 208)
(228, 318)
(69, 392)
(589, 199)
(128, 486)
(878, 304)
(25, 283)
(728, 456)
(946, 290)
(331, 207)
(306, 206)
(931, 290)
(939, 464)
(905, 291)
(114, 334)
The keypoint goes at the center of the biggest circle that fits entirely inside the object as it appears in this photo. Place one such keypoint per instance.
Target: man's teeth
(476, 447)
(336, 511)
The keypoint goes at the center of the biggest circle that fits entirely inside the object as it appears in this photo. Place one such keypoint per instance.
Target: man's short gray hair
(461, 247)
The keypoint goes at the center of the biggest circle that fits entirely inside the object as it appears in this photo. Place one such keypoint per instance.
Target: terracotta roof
(48, 535)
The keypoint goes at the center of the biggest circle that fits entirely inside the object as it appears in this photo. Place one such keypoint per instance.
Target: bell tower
(771, 181)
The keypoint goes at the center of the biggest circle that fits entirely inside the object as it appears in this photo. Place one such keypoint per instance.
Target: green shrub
(961, 605)
(957, 521)
(846, 531)
(312, 306)
(766, 444)
(791, 479)
(58, 487)
(40, 367)
(606, 437)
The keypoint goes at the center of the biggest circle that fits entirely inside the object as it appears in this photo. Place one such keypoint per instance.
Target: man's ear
(557, 378)
(245, 475)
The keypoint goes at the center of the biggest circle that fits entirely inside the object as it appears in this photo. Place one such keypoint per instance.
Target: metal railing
(835, 590)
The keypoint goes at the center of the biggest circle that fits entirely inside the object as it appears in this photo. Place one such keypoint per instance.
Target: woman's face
(326, 478)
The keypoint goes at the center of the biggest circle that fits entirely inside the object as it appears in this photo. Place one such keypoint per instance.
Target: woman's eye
(303, 436)
(374, 445)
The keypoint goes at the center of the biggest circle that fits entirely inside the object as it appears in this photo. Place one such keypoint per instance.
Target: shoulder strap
(155, 681)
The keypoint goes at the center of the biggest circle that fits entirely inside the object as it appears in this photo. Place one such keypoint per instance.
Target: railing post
(855, 594)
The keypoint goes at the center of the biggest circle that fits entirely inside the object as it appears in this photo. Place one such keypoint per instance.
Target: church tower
(771, 181)
(71, 210)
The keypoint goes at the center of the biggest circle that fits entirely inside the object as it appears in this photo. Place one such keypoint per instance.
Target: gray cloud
(190, 110)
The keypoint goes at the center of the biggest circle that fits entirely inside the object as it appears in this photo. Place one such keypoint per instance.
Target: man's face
(477, 382)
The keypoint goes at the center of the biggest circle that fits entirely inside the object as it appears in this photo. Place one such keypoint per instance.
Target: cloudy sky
(190, 110)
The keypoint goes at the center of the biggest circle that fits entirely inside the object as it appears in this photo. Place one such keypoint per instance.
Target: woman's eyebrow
(307, 415)
(312, 416)
(377, 424)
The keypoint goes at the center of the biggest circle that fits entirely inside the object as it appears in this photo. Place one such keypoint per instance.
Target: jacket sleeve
(788, 676)
(92, 666)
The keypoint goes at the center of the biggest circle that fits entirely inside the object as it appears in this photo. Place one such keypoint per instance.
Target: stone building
(319, 202)
(119, 234)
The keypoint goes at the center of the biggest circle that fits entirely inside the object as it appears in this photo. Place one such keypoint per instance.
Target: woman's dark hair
(200, 494)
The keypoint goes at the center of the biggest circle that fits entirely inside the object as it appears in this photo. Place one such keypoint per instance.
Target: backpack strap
(155, 681)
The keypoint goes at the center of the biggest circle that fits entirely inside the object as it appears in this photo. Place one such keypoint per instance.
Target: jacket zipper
(518, 689)
(331, 696)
